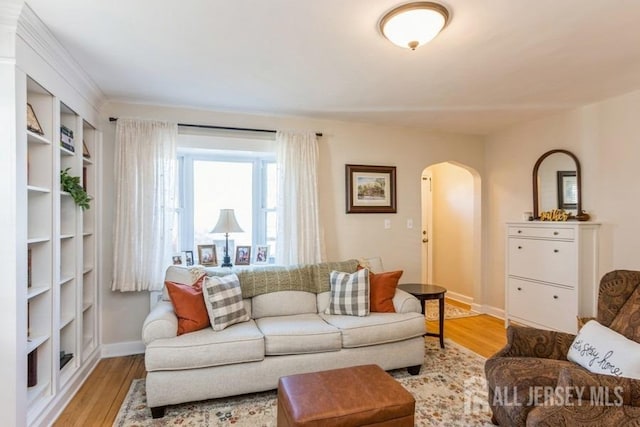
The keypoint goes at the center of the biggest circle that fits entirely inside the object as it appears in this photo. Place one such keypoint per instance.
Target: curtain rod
(115, 119)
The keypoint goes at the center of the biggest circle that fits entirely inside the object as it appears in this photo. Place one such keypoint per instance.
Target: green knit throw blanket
(309, 278)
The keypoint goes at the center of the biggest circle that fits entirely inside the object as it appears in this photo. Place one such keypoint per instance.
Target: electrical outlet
(410, 223)
(387, 224)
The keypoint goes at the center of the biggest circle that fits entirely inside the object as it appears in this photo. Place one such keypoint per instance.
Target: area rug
(449, 391)
(450, 311)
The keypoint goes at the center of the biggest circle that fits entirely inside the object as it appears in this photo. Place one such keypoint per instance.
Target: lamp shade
(227, 222)
(414, 24)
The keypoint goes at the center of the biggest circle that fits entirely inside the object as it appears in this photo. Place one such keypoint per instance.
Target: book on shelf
(32, 368)
(66, 138)
(65, 358)
(28, 268)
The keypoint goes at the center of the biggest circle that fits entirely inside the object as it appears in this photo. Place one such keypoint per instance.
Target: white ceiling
(496, 63)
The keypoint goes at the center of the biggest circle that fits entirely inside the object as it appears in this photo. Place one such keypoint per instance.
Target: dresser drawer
(545, 305)
(547, 260)
(559, 232)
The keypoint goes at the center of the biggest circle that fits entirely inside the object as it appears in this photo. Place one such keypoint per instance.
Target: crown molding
(10, 12)
(39, 38)
(9, 15)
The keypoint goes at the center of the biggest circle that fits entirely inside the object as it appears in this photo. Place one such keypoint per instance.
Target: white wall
(453, 234)
(605, 137)
(346, 236)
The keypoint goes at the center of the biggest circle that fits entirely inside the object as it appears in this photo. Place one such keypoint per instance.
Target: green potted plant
(71, 184)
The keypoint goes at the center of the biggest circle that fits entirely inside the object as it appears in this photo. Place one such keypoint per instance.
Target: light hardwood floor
(98, 401)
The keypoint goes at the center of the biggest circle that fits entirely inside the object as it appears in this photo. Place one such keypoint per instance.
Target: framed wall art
(370, 189)
(32, 121)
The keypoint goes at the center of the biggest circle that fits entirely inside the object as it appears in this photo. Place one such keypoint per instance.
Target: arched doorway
(451, 231)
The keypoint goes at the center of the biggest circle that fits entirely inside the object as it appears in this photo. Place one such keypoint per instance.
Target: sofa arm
(161, 322)
(404, 302)
(598, 388)
(523, 341)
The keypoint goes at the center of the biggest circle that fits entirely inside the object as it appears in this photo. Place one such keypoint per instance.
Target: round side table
(428, 292)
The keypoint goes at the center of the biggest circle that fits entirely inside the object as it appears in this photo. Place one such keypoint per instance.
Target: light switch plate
(387, 224)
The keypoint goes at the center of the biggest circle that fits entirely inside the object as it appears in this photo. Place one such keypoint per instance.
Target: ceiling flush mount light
(414, 24)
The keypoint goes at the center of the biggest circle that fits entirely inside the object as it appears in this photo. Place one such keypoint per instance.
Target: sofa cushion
(188, 305)
(349, 293)
(283, 303)
(182, 275)
(382, 288)
(377, 328)
(298, 334)
(604, 351)
(223, 299)
(242, 342)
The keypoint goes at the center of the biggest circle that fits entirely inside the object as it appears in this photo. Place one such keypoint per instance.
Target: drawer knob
(519, 231)
(555, 297)
(519, 289)
(519, 247)
(555, 233)
(556, 251)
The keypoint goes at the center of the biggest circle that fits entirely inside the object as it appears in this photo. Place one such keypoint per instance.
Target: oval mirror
(556, 183)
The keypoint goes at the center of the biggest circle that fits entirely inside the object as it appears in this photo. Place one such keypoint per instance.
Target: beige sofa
(288, 333)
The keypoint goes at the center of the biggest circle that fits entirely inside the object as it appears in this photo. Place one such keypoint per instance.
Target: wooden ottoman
(355, 396)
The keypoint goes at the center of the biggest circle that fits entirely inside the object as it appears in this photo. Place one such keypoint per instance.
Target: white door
(427, 226)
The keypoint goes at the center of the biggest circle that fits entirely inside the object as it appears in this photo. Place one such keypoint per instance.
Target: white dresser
(551, 273)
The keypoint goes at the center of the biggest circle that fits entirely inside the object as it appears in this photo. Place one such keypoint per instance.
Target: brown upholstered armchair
(523, 377)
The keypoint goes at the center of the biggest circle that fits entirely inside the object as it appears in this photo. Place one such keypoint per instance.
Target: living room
(581, 96)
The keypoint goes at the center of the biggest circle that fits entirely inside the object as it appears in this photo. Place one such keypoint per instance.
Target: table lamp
(227, 224)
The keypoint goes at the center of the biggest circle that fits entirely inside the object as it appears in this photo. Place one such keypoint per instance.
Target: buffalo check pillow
(223, 299)
(349, 293)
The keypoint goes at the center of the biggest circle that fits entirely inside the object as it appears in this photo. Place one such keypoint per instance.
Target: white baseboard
(459, 297)
(122, 349)
(487, 309)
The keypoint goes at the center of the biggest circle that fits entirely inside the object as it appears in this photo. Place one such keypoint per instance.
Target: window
(211, 180)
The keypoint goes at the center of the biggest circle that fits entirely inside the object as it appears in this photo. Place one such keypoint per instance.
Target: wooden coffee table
(428, 292)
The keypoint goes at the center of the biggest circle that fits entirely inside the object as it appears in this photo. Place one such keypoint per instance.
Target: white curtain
(299, 237)
(145, 170)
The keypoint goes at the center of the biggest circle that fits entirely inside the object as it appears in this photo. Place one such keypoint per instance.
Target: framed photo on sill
(243, 255)
(188, 256)
(262, 254)
(207, 255)
(179, 259)
(370, 189)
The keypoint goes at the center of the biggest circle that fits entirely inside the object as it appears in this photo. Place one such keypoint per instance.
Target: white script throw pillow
(604, 351)
(223, 299)
(349, 293)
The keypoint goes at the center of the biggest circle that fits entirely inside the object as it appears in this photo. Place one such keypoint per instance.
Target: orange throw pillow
(382, 288)
(188, 303)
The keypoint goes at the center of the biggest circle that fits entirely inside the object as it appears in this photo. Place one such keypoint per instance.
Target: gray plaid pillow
(223, 299)
(349, 293)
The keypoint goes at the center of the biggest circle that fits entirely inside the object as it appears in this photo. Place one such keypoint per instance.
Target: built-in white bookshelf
(61, 281)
